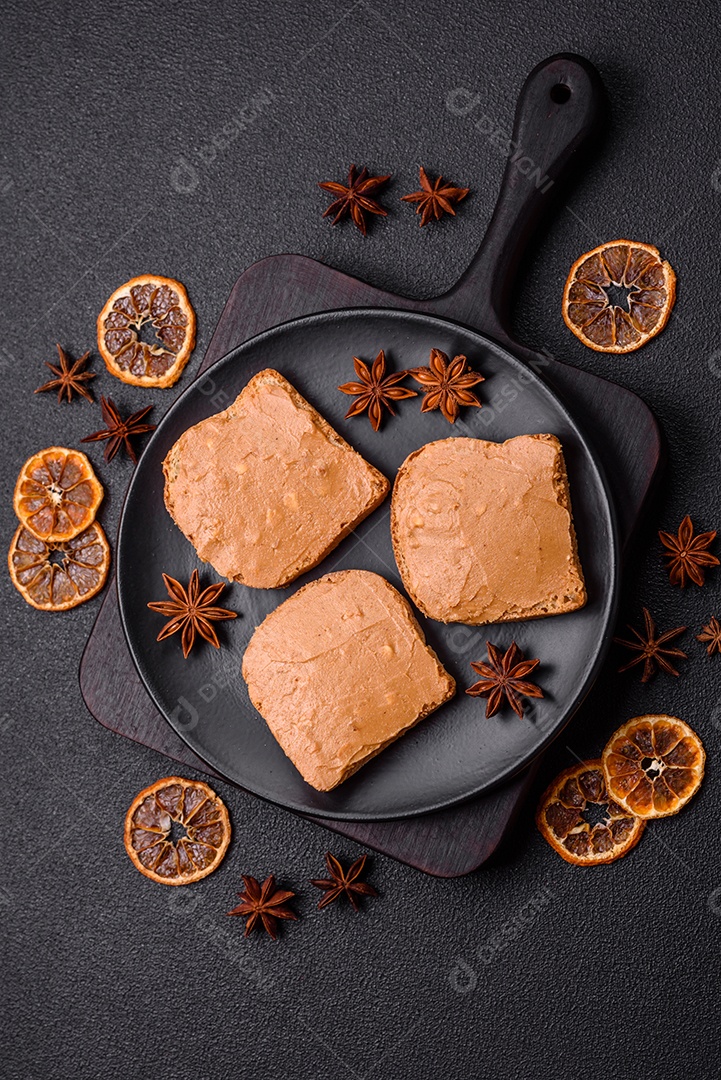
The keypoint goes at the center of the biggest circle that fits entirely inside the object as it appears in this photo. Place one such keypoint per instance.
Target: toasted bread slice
(339, 671)
(265, 489)
(483, 532)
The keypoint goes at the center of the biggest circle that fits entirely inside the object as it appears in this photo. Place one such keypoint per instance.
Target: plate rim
(614, 549)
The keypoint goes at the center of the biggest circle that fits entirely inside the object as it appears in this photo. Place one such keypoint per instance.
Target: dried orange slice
(654, 765)
(59, 576)
(561, 821)
(57, 494)
(186, 806)
(161, 303)
(605, 324)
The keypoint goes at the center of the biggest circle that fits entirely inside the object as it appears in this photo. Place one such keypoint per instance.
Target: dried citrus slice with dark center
(566, 813)
(163, 306)
(594, 305)
(57, 494)
(59, 576)
(177, 831)
(654, 765)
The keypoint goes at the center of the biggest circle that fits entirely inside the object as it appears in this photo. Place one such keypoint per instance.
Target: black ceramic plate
(456, 753)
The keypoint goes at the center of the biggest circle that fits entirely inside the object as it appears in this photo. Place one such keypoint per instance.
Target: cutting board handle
(560, 107)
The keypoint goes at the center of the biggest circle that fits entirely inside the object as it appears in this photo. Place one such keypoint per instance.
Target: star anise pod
(264, 905)
(69, 377)
(375, 390)
(354, 198)
(435, 199)
(504, 677)
(192, 612)
(711, 633)
(687, 556)
(446, 386)
(343, 882)
(120, 432)
(651, 649)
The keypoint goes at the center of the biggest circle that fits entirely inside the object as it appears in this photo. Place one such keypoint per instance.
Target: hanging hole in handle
(560, 93)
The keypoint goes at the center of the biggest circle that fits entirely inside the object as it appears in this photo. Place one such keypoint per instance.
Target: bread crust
(380, 486)
(511, 614)
(314, 774)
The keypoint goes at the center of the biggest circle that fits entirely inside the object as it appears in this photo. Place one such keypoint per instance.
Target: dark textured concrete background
(530, 968)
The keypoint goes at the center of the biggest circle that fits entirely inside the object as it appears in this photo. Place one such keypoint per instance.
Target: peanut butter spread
(339, 671)
(265, 489)
(483, 532)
